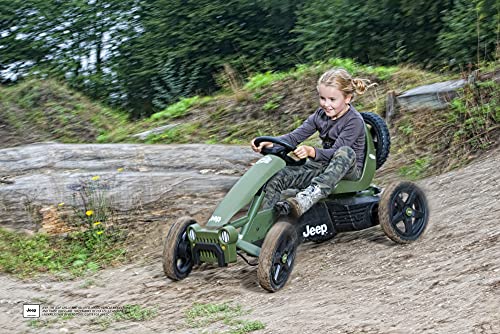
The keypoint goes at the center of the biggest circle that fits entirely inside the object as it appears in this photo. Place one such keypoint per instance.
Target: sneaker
(304, 200)
(295, 209)
(282, 208)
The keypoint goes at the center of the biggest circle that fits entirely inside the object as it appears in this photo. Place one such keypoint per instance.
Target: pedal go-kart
(400, 209)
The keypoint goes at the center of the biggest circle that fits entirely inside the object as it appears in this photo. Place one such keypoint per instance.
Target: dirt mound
(359, 282)
(46, 110)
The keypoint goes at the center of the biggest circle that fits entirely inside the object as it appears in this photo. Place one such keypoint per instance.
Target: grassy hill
(269, 103)
(424, 141)
(46, 110)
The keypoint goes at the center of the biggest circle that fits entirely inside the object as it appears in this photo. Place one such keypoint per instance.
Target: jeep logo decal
(310, 231)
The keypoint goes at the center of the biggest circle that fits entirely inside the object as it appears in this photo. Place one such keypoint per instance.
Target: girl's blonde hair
(342, 80)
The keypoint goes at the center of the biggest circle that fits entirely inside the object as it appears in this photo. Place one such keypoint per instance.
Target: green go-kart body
(247, 232)
(353, 205)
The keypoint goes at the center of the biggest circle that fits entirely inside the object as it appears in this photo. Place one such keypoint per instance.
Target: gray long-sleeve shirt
(348, 130)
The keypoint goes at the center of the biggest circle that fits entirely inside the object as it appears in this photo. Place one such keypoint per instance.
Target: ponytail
(342, 80)
(361, 85)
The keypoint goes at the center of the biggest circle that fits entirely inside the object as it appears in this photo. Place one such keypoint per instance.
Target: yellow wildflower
(100, 232)
(89, 212)
(120, 169)
(97, 223)
(95, 178)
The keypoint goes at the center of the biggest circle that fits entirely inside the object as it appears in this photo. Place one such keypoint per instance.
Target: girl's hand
(261, 145)
(305, 151)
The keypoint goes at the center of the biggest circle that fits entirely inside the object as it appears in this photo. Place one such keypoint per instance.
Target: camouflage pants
(325, 176)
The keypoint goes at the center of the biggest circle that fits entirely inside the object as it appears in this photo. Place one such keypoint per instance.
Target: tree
(70, 40)
(470, 33)
(372, 31)
(196, 39)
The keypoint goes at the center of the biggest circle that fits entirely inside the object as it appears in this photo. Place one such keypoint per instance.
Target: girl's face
(332, 100)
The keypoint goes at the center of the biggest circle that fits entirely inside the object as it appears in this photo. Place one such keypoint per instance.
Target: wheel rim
(283, 261)
(409, 212)
(184, 259)
(375, 135)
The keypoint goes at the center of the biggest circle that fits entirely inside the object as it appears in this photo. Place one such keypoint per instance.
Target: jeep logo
(310, 231)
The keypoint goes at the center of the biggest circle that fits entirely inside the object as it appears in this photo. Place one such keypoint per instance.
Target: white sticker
(215, 219)
(265, 160)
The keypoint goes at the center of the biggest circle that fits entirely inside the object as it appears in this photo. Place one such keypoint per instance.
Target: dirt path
(359, 282)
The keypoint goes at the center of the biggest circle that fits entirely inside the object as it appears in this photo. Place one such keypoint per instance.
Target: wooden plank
(390, 106)
(438, 95)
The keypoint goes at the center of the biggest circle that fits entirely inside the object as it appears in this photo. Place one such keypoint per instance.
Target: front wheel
(403, 212)
(277, 256)
(177, 256)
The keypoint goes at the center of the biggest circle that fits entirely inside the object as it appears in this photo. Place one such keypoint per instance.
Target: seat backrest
(369, 167)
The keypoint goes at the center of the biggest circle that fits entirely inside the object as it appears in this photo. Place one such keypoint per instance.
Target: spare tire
(380, 135)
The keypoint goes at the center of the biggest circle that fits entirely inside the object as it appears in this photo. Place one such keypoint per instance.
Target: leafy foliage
(475, 115)
(470, 32)
(386, 32)
(180, 108)
(145, 55)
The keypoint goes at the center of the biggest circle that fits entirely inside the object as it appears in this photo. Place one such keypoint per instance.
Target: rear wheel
(403, 212)
(380, 135)
(177, 256)
(277, 256)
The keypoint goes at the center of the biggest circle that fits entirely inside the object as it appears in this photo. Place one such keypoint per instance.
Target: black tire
(403, 212)
(380, 135)
(177, 256)
(277, 256)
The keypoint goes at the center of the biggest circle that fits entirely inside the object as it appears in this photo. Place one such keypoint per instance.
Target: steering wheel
(282, 150)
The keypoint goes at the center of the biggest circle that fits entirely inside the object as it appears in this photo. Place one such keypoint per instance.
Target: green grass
(134, 312)
(26, 256)
(262, 80)
(182, 133)
(475, 116)
(180, 108)
(417, 170)
(381, 72)
(203, 315)
(130, 312)
(273, 103)
(40, 323)
(406, 127)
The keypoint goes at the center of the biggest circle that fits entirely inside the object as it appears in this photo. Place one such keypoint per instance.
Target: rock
(124, 177)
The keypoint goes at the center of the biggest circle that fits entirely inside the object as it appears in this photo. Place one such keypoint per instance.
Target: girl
(342, 131)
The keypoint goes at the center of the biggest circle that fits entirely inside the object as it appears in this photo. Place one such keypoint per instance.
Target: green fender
(245, 189)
